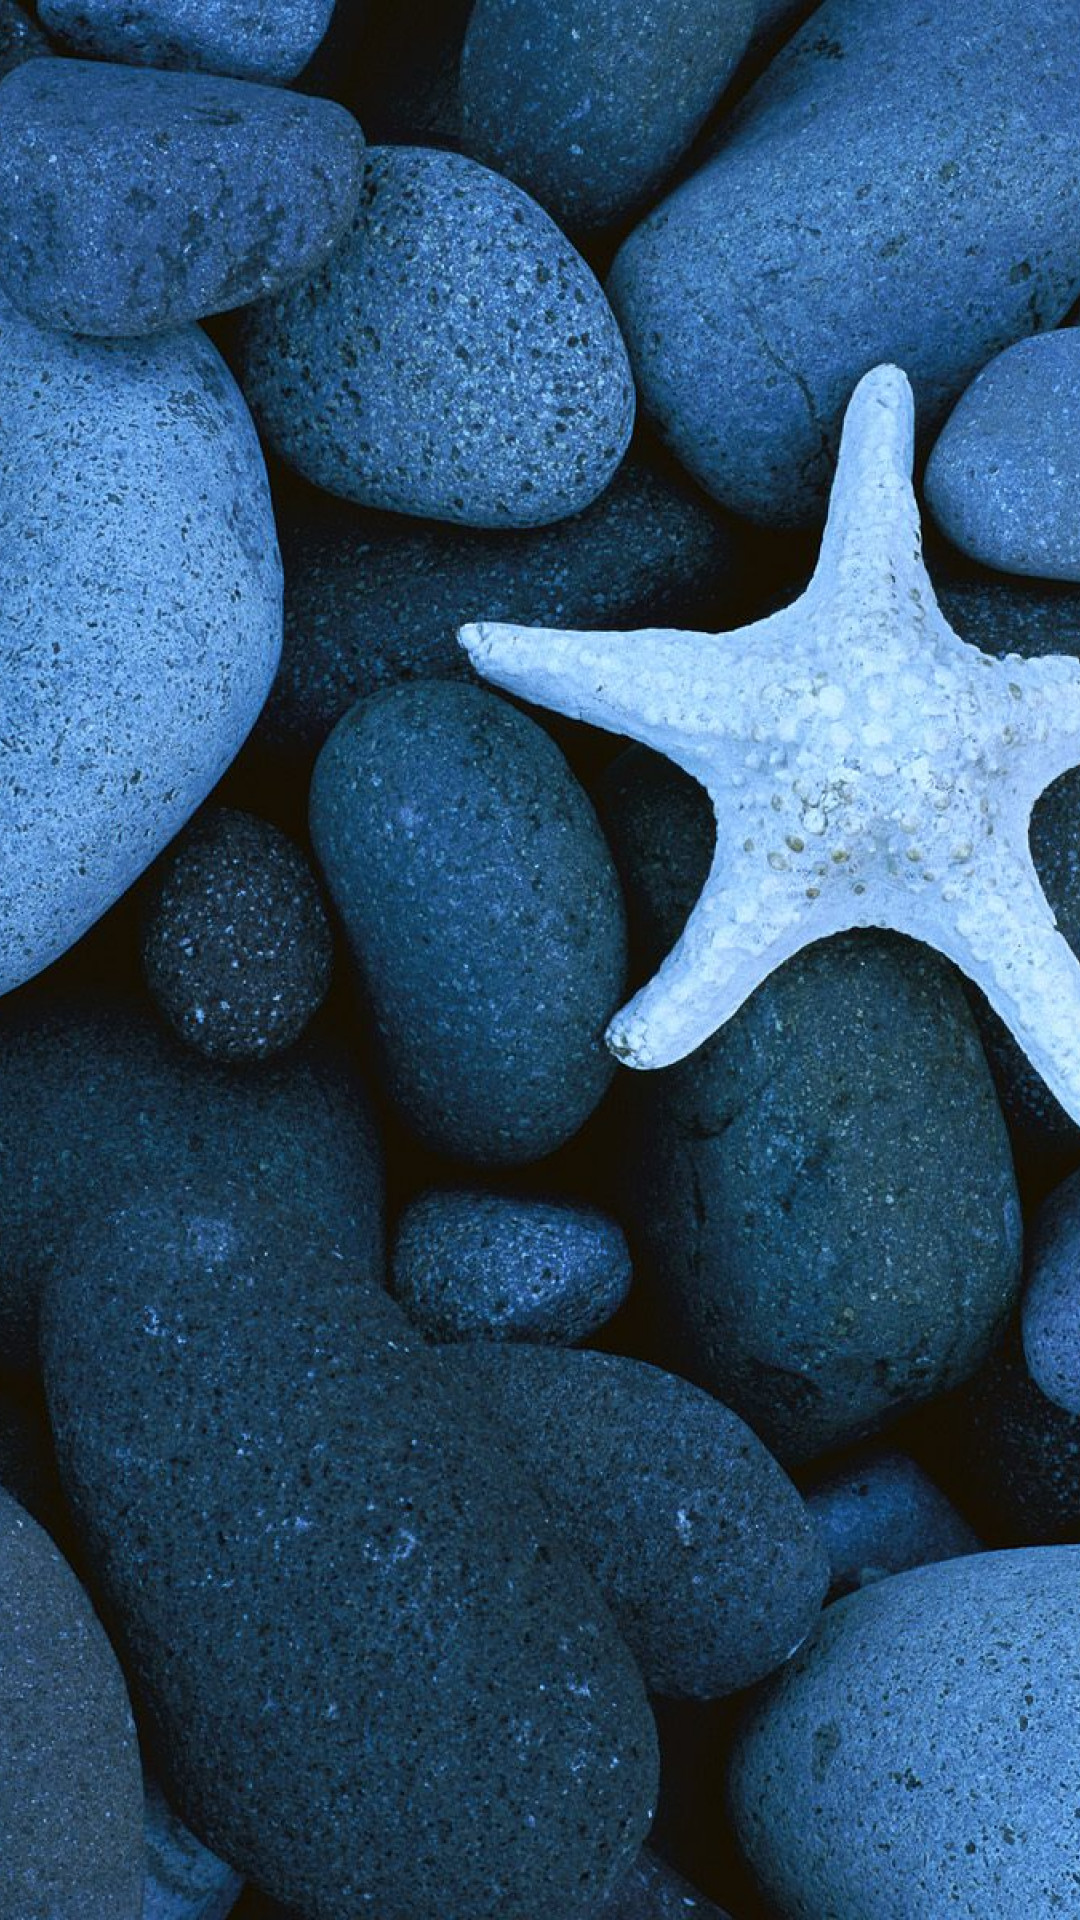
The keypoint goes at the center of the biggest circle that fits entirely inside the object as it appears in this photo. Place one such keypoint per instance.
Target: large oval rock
(699, 1542)
(918, 1755)
(828, 235)
(589, 106)
(368, 1675)
(253, 39)
(97, 1102)
(71, 1803)
(134, 201)
(483, 911)
(140, 614)
(455, 358)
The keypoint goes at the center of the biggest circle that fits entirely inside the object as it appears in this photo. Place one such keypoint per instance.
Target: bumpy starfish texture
(867, 767)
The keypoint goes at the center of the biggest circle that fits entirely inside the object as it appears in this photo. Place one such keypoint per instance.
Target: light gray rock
(253, 39)
(184, 1880)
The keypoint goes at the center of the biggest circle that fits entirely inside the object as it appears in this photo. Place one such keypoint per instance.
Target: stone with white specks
(253, 39)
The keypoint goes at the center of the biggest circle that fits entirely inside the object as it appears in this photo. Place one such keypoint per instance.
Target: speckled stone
(654, 1891)
(1050, 1316)
(99, 1099)
(880, 1514)
(698, 1541)
(253, 39)
(368, 1675)
(918, 1755)
(1002, 479)
(70, 1786)
(823, 239)
(140, 584)
(216, 193)
(20, 39)
(184, 1880)
(455, 358)
(483, 912)
(372, 599)
(236, 945)
(590, 106)
(470, 1265)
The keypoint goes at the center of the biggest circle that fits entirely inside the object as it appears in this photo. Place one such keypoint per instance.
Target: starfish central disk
(866, 765)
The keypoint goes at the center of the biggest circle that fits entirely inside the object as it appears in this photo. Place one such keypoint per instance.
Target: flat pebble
(1051, 1307)
(918, 1755)
(490, 1266)
(880, 1514)
(484, 915)
(214, 194)
(455, 358)
(823, 238)
(71, 1804)
(589, 107)
(253, 39)
(184, 1880)
(141, 591)
(236, 945)
(700, 1544)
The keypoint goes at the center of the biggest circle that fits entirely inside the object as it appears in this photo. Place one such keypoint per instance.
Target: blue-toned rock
(396, 1691)
(71, 1803)
(590, 106)
(1051, 1307)
(654, 1891)
(484, 915)
(134, 201)
(253, 39)
(880, 1514)
(140, 614)
(850, 217)
(469, 1265)
(698, 1541)
(1011, 1455)
(919, 1754)
(20, 39)
(1002, 479)
(455, 358)
(184, 1880)
(236, 946)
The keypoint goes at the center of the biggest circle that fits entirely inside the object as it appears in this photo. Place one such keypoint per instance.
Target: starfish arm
(871, 550)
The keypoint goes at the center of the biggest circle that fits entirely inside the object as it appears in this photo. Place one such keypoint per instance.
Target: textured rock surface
(20, 39)
(483, 912)
(590, 106)
(918, 1754)
(264, 40)
(1051, 1306)
(455, 358)
(70, 1786)
(470, 1265)
(824, 238)
(236, 945)
(699, 1542)
(99, 1101)
(140, 587)
(880, 1514)
(1002, 479)
(184, 1881)
(443, 1714)
(373, 599)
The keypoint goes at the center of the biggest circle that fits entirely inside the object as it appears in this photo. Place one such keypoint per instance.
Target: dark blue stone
(1050, 1318)
(880, 1514)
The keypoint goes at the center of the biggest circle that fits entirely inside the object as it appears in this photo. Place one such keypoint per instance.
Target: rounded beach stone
(133, 201)
(20, 39)
(98, 1101)
(590, 106)
(490, 1266)
(219, 1413)
(373, 599)
(698, 1541)
(823, 239)
(1050, 1317)
(1002, 479)
(918, 1755)
(483, 912)
(140, 614)
(184, 1880)
(236, 944)
(880, 1514)
(454, 358)
(71, 1803)
(252, 39)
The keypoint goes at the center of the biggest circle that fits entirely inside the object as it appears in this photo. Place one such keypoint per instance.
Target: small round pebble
(880, 1514)
(236, 945)
(1050, 1316)
(455, 358)
(184, 1880)
(488, 1266)
(133, 201)
(253, 39)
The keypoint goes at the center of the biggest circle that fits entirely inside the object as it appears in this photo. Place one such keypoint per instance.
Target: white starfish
(867, 767)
